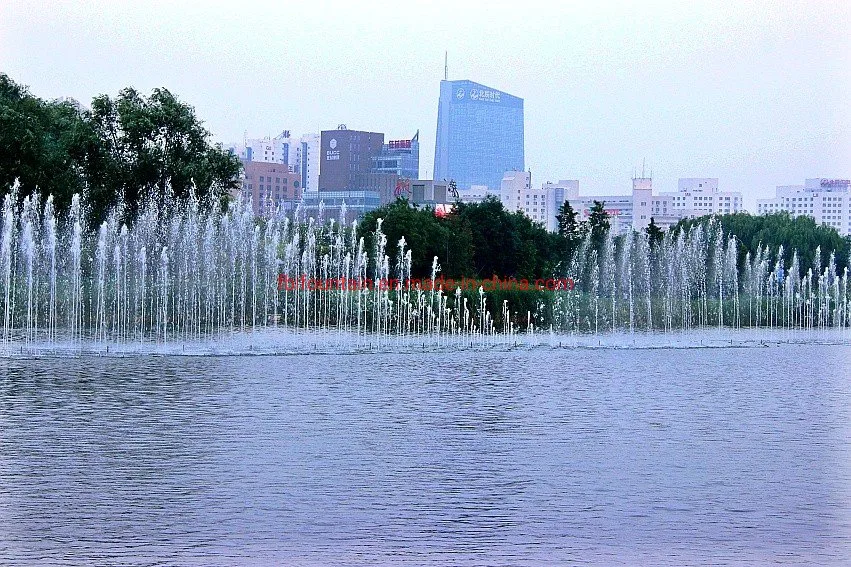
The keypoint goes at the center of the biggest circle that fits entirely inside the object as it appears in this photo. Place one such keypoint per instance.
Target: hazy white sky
(754, 93)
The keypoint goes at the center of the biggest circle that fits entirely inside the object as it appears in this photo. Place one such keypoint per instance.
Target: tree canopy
(474, 240)
(654, 233)
(568, 226)
(598, 222)
(129, 148)
(800, 234)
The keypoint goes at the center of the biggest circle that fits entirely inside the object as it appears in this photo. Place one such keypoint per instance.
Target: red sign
(399, 144)
(402, 186)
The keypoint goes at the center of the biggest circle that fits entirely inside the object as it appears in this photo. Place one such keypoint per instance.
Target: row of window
(269, 179)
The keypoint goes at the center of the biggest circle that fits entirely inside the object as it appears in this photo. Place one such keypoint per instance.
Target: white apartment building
(280, 149)
(556, 194)
(700, 196)
(514, 188)
(301, 155)
(828, 201)
(534, 204)
(695, 197)
(619, 208)
(307, 161)
(541, 204)
(476, 194)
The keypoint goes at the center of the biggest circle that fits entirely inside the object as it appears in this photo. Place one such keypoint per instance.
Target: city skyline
(751, 94)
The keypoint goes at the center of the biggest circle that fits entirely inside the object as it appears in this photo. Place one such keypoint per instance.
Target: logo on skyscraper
(460, 93)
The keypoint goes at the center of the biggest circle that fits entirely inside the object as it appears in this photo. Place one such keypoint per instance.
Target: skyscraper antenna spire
(446, 65)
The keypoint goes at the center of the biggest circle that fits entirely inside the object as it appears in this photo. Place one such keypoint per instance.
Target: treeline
(124, 149)
(780, 231)
(483, 239)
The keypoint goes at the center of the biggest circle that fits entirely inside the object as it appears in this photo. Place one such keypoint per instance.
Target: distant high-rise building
(347, 156)
(280, 149)
(479, 134)
(401, 157)
(308, 161)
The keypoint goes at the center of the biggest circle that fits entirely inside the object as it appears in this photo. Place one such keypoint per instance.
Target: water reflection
(661, 456)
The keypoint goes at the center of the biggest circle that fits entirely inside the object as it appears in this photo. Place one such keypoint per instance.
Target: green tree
(131, 148)
(598, 222)
(48, 147)
(425, 236)
(800, 234)
(654, 233)
(568, 226)
(157, 148)
(478, 240)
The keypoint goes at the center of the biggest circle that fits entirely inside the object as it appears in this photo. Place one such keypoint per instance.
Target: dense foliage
(478, 240)
(126, 148)
(777, 230)
(483, 239)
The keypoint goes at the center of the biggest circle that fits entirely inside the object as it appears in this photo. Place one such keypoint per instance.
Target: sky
(754, 93)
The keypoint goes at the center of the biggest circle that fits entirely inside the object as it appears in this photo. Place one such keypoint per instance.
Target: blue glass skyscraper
(479, 134)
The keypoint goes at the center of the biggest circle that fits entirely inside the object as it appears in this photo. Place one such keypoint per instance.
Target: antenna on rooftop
(446, 65)
(643, 160)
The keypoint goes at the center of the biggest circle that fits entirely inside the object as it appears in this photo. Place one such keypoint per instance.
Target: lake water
(722, 456)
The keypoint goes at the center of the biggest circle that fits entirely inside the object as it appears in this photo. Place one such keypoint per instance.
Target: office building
(695, 197)
(350, 171)
(356, 202)
(307, 161)
(400, 157)
(280, 149)
(347, 157)
(479, 134)
(513, 189)
(828, 201)
(270, 185)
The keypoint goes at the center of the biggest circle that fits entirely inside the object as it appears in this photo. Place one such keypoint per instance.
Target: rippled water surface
(548, 456)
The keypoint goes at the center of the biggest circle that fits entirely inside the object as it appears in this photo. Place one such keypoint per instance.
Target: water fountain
(192, 274)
